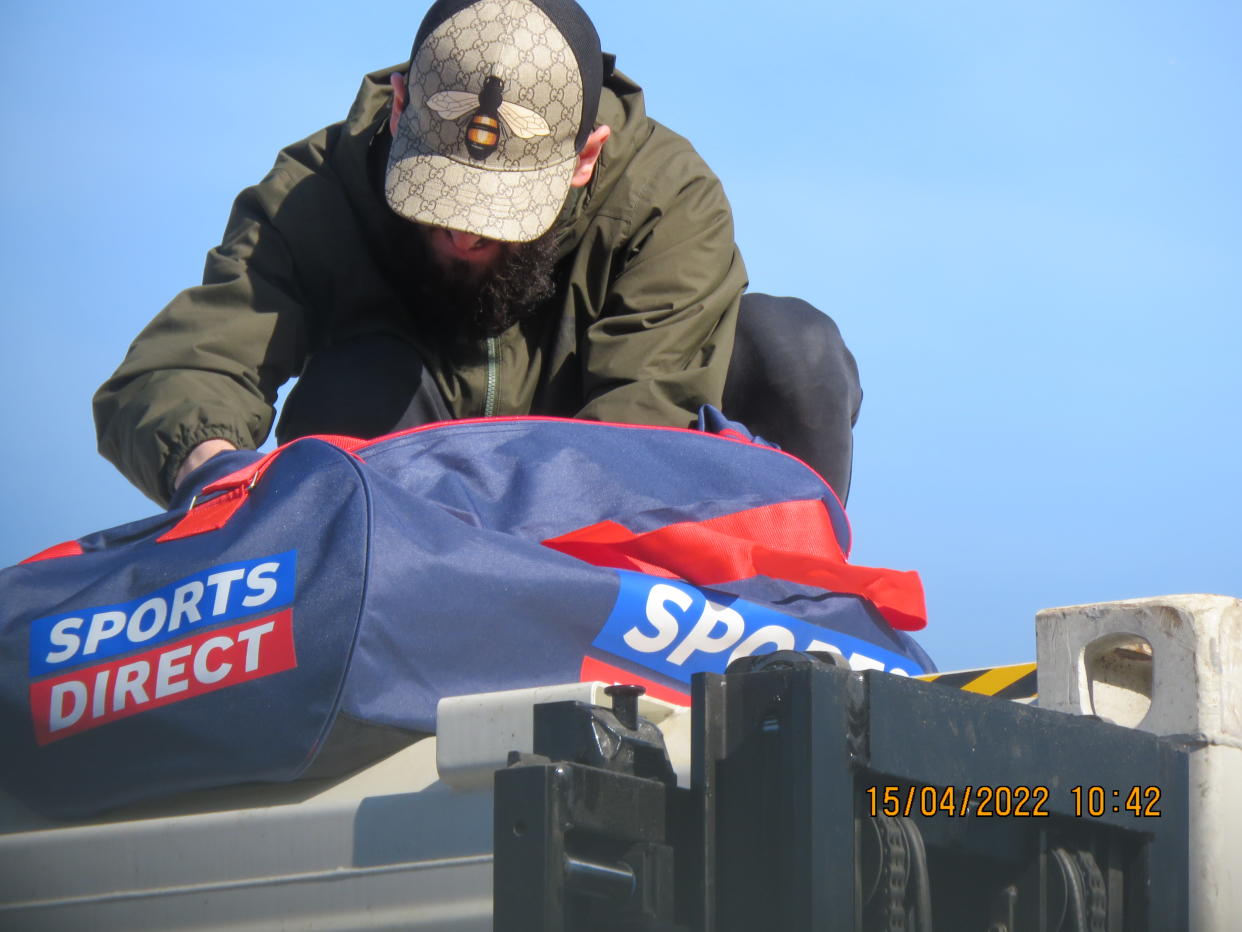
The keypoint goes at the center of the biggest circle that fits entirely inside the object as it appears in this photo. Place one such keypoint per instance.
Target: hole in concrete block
(1119, 677)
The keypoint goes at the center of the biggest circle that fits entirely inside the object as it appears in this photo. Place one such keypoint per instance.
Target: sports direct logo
(677, 630)
(183, 649)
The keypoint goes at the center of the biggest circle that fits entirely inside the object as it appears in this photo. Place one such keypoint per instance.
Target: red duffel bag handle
(793, 541)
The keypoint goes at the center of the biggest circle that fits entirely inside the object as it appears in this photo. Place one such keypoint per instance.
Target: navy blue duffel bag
(305, 613)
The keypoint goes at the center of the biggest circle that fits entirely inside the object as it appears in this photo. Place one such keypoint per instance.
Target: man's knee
(792, 380)
(798, 346)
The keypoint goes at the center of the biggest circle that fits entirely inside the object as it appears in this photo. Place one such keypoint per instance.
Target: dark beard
(463, 304)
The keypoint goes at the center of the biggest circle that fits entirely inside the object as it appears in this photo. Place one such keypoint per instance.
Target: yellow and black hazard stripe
(1014, 681)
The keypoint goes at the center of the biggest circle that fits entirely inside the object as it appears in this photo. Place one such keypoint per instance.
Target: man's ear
(399, 99)
(589, 155)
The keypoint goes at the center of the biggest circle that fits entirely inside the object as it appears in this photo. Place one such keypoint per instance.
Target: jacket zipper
(493, 365)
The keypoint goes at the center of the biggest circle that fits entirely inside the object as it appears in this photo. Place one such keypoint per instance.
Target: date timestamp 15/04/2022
(1007, 801)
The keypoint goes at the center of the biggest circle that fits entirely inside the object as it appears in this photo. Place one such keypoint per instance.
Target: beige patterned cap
(500, 101)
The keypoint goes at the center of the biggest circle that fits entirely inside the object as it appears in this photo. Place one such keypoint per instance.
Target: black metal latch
(582, 826)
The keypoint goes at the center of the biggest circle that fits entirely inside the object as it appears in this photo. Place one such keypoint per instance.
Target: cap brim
(510, 206)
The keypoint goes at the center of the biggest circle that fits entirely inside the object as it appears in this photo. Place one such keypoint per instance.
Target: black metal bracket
(826, 799)
(583, 826)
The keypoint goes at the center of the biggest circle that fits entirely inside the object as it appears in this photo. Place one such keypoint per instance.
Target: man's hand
(199, 455)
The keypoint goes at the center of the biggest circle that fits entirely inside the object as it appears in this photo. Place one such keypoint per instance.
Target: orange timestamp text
(992, 801)
(969, 800)
(1095, 801)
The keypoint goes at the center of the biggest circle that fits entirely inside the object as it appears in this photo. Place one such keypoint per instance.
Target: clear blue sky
(1025, 216)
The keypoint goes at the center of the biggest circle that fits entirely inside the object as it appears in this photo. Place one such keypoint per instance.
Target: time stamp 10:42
(1008, 801)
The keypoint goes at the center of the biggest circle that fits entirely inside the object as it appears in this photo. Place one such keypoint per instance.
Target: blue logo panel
(678, 630)
(219, 593)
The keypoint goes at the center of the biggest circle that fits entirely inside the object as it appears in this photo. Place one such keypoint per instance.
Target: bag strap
(792, 540)
(68, 548)
(214, 513)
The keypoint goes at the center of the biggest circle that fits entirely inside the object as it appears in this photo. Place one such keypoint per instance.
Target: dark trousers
(791, 380)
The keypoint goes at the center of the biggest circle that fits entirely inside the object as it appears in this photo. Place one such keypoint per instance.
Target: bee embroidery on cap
(491, 112)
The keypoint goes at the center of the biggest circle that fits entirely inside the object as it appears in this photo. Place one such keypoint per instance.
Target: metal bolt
(625, 703)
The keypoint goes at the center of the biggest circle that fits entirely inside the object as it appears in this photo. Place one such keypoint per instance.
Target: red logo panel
(92, 696)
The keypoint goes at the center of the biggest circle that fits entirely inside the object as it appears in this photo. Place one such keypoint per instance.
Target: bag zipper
(493, 365)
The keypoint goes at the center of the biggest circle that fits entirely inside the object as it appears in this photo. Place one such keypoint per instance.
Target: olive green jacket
(640, 331)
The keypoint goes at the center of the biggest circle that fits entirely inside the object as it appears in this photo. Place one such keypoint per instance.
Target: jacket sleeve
(661, 346)
(210, 363)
